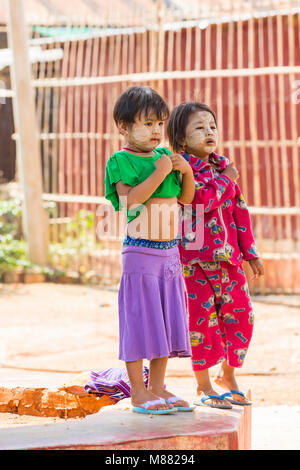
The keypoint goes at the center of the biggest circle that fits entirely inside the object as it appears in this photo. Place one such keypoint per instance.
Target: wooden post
(34, 216)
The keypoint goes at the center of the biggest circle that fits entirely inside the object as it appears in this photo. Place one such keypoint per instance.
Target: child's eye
(161, 123)
(199, 128)
(148, 124)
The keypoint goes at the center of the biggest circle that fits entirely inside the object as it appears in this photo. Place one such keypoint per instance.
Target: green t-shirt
(133, 170)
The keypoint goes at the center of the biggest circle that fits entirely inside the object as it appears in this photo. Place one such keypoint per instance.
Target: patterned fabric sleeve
(213, 193)
(244, 228)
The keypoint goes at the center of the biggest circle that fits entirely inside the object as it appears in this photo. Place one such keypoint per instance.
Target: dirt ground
(60, 331)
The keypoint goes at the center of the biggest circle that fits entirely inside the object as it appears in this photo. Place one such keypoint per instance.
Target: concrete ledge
(118, 428)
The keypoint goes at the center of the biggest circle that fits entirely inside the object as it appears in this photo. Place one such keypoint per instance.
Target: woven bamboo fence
(247, 68)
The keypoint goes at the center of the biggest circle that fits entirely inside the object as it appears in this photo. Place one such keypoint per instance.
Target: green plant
(10, 217)
(79, 240)
(13, 249)
(81, 230)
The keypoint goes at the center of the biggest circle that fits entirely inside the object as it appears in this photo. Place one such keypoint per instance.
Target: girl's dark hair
(179, 120)
(137, 99)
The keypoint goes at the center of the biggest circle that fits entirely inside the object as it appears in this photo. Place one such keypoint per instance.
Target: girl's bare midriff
(158, 220)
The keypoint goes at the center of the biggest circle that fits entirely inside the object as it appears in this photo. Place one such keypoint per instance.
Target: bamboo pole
(274, 136)
(197, 46)
(100, 118)
(175, 75)
(253, 135)
(86, 98)
(208, 65)
(62, 123)
(93, 120)
(170, 64)
(177, 72)
(38, 72)
(116, 88)
(98, 136)
(145, 51)
(107, 97)
(265, 126)
(282, 126)
(241, 112)
(71, 92)
(160, 44)
(55, 128)
(219, 54)
(112, 143)
(188, 62)
(53, 144)
(295, 151)
(29, 161)
(47, 160)
(82, 198)
(253, 120)
(138, 53)
(231, 100)
(79, 117)
(90, 143)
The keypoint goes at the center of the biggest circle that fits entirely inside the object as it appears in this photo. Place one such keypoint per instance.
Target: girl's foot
(202, 392)
(140, 397)
(204, 387)
(228, 382)
(163, 393)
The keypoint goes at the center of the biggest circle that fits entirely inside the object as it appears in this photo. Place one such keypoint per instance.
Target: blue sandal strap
(173, 399)
(146, 405)
(232, 392)
(208, 397)
(237, 392)
(225, 395)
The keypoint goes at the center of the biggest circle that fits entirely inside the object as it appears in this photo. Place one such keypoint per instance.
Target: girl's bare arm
(187, 188)
(188, 182)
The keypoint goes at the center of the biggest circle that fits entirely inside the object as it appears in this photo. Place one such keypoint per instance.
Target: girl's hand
(180, 163)
(164, 164)
(231, 172)
(257, 268)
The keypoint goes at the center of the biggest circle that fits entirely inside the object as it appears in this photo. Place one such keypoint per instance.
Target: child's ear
(182, 144)
(122, 127)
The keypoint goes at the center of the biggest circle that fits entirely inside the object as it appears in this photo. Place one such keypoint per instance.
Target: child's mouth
(210, 142)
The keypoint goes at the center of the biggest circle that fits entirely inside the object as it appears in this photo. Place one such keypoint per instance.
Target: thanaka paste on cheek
(140, 136)
(195, 139)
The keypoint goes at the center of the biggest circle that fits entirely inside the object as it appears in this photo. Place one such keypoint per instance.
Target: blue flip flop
(202, 401)
(144, 408)
(236, 402)
(173, 400)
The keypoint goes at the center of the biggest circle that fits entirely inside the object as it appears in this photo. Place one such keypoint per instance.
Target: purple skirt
(152, 308)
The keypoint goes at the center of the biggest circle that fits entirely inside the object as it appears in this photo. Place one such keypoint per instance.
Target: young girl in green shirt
(148, 181)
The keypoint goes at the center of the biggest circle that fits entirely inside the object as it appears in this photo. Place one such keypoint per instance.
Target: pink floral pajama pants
(220, 313)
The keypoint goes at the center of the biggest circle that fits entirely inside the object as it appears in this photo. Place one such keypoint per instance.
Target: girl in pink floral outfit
(219, 305)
